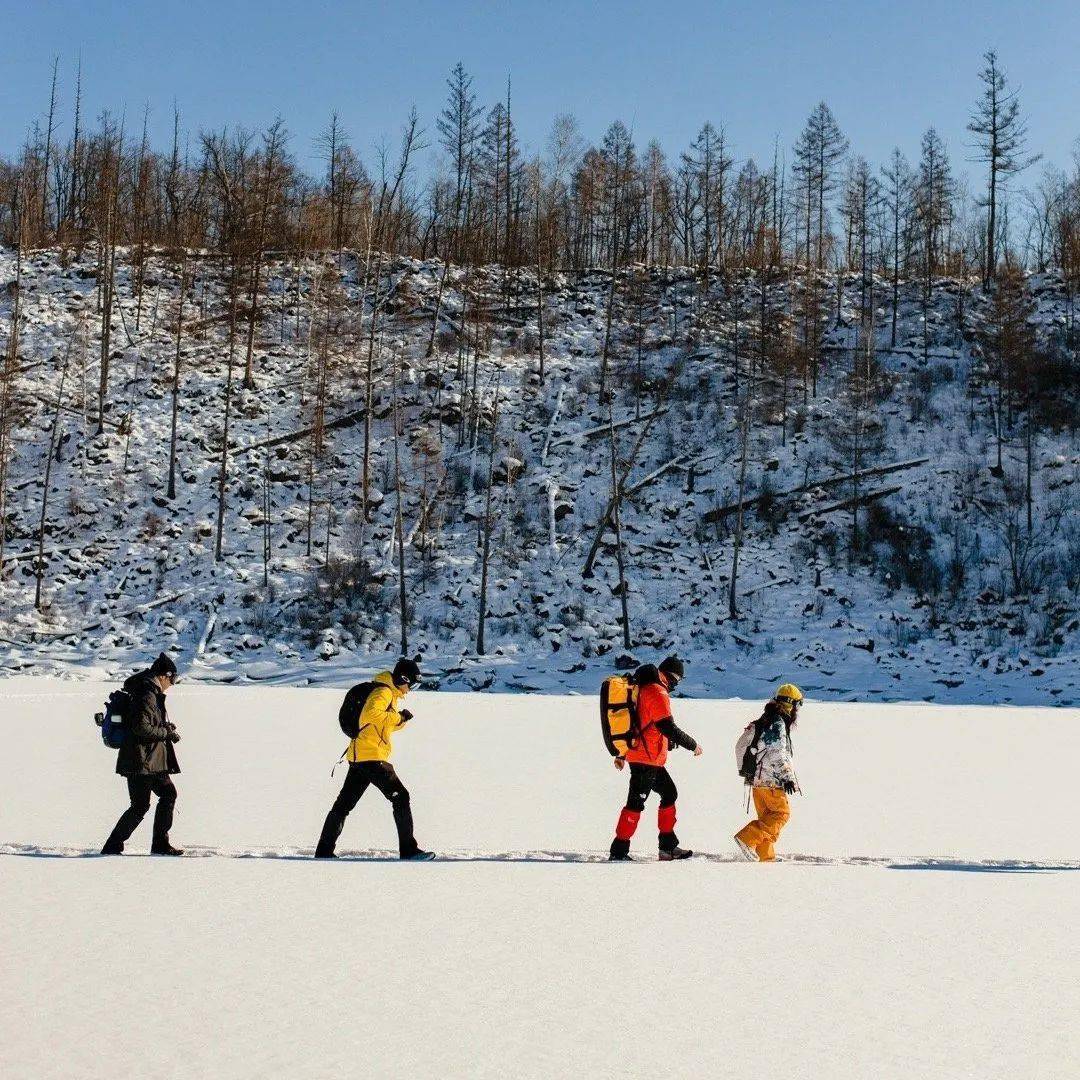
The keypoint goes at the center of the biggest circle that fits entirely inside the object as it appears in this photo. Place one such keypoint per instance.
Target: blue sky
(888, 70)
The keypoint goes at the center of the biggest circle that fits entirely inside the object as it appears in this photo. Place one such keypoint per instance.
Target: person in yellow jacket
(764, 756)
(369, 761)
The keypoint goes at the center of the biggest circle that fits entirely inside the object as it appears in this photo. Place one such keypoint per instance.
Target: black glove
(790, 787)
(174, 736)
(405, 715)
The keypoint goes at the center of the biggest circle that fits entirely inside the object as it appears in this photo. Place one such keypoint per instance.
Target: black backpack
(352, 707)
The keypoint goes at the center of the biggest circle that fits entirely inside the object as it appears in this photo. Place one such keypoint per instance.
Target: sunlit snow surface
(921, 922)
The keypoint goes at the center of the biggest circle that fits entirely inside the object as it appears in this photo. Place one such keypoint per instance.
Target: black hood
(142, 680)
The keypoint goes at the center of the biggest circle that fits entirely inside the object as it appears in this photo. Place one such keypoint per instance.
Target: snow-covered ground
(921, 921)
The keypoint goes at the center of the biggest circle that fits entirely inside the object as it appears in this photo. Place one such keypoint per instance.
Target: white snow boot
(746, 851)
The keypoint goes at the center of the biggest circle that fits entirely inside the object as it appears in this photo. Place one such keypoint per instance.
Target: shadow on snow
(953, 864)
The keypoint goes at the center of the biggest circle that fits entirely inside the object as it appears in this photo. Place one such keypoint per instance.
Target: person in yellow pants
(765, 756)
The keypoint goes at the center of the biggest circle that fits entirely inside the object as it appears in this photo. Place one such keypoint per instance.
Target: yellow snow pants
(773, 812)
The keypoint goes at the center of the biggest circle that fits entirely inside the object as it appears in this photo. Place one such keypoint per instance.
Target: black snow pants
(380, 775)
(140, 789)
(645, 779)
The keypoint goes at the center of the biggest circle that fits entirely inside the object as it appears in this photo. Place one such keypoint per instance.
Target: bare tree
(272, 146)
(1002, 133)
(49, 129)
(744, 456)
(171, 490)
(709, 164)
(618, 154)
(399, 523)
(897, 201)
(8, 375)
(54, 432)
(223, 468)
(820, 149)
(487, 524)
(616, 522)
(107, 213)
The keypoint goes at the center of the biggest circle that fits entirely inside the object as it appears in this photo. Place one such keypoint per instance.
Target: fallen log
(603, 429)
(718, 513)
(142, 609)
(683, 461)
(769, 585)
(348, 420)
(847, 504)
(18, 556)
(602, 524)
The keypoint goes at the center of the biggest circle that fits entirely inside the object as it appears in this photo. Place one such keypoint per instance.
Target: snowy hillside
(921, 921)
(929, 606)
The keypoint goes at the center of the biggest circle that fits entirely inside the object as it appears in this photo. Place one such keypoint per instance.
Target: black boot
(112, 847)
(419, 855)
(328, 838)
(163, 847)
(675, 854)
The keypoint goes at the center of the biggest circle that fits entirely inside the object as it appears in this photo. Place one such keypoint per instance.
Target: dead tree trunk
(733, 608)
(266, 503)
(594, 550)
(49, 129)
(273, 141)
(616, 500)
(10, 370)
(223, 470)
(108, 265)
(485, 553)
(399, 526)
(539, 279)
(430, 351)
(171, 492)
(55, 431)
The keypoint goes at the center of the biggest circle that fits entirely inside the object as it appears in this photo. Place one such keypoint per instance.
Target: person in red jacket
(647, 763)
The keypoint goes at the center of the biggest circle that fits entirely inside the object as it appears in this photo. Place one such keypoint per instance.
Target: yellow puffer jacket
(379, 719)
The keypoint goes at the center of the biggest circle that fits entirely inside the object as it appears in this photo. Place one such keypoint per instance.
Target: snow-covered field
(922, 921)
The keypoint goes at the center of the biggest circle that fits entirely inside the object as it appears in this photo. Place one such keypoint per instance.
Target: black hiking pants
(380, 775)
(140, 789)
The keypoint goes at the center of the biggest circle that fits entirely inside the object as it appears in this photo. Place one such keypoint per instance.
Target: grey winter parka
(146, 749)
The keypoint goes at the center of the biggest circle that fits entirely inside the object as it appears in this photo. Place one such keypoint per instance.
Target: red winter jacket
(657, 726)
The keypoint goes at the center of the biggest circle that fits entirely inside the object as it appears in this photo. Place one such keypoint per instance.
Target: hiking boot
(166, 849)
(675, 854)
(419, 856)
(746, 851)
(324, 855)
(112, 849)
(617, 856)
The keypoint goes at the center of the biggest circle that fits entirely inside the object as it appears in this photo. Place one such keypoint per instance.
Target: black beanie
(163, 665)
(406, 670)
(672, 665)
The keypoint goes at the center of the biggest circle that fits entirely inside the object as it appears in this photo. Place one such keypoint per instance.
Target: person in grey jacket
(147, 758)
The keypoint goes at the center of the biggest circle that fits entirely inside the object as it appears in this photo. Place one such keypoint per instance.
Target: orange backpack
(618, 709)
